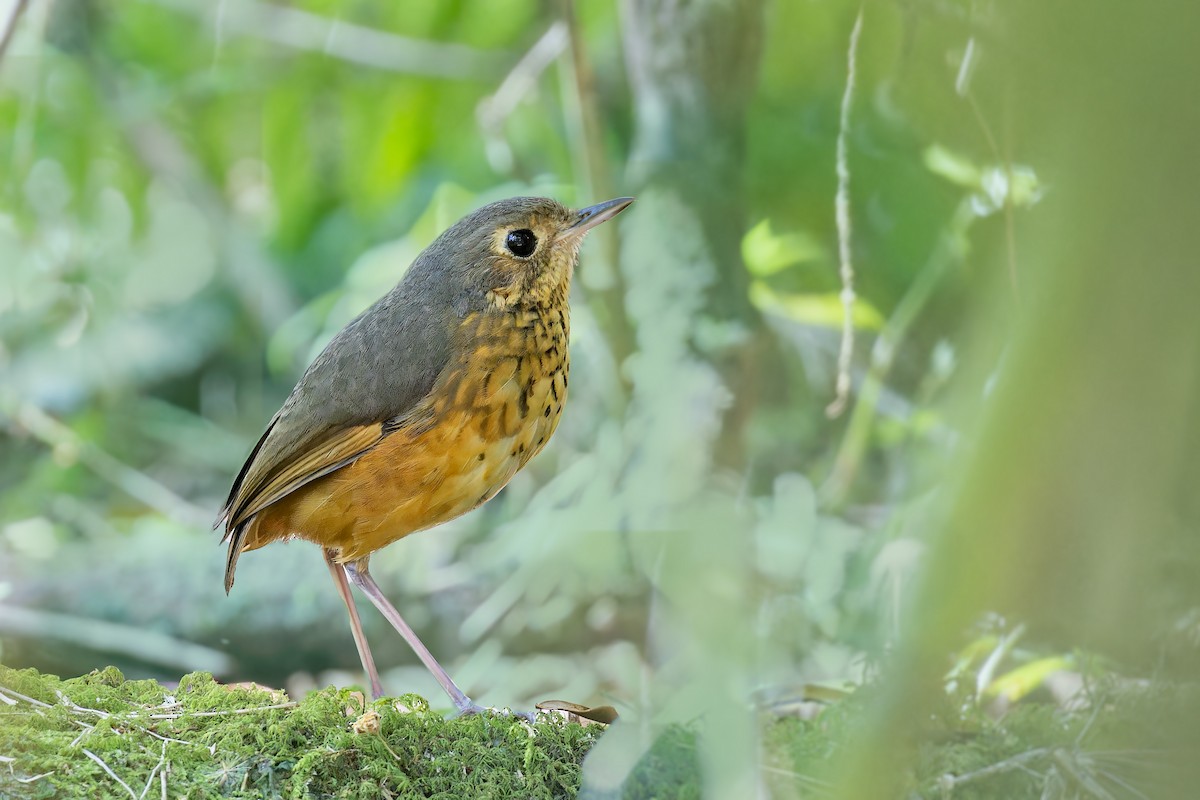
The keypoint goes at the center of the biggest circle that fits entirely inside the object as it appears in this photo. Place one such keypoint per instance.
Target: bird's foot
(468, 708)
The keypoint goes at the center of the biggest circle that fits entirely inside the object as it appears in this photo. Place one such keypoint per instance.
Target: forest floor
(101, 736)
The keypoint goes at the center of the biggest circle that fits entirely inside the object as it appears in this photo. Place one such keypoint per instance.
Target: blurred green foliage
(194, 198)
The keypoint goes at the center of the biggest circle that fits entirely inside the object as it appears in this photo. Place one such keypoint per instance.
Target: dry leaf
(368, 723)
(583, 715)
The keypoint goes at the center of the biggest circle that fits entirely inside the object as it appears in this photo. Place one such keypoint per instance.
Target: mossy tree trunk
(692, 70)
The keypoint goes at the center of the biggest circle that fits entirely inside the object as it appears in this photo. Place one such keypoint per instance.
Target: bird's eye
(521, 243)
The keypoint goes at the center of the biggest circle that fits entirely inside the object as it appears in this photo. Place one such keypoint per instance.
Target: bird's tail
(237, 543)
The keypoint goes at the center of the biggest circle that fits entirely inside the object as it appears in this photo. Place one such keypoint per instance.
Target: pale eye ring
(521, 242)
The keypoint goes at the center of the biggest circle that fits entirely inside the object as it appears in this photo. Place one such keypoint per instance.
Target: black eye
(521, 243)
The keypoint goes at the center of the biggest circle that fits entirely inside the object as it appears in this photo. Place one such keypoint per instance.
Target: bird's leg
(357, 572)
(360, 638)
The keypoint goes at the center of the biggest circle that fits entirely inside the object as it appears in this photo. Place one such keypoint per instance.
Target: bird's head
(517, 252)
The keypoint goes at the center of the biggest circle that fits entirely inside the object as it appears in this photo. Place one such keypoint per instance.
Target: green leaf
(767, 253)
(818, 308)
(1018, 683)
(952, 166)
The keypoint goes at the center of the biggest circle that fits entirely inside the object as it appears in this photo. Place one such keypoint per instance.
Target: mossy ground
(212, 740)
(100, 736)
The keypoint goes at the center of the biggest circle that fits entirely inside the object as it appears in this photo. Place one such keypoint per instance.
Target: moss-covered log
(102, 736)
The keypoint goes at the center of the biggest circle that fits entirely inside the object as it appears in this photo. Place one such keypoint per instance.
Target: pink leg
(357, 572)
(360, 639)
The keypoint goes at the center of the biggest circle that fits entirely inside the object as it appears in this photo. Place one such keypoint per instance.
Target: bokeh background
(1003, 496)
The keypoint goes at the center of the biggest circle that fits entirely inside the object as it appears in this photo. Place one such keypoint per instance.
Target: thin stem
(27, 699)
(949, 782)
(222, 713)
(521, 79)
(962, 85)
(857, 436)
(8, 23)
(356, 44)
(111, 774)
(844, 228)
(133, 482)
(601, 276)
(111, 637)
(161, 761)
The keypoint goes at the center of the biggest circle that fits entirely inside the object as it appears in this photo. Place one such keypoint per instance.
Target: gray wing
(374, 370)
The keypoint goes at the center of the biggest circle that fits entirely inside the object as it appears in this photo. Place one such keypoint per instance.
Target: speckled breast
(488, 414)
(508, 398)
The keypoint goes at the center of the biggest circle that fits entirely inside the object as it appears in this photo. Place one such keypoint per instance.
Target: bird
(423, 407)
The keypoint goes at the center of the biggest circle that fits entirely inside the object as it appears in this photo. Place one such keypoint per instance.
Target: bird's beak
(592, 216)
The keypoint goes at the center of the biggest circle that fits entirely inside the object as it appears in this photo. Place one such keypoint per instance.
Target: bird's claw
(469, 708)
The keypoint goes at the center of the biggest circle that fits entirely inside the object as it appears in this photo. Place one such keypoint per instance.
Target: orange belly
(490, 423)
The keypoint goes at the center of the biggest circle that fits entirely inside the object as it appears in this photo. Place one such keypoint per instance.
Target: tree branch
(303, 30)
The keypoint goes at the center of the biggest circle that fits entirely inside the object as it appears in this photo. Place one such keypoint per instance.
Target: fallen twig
(161, 761)
(184, 714)
(108, 769)
(26, 698)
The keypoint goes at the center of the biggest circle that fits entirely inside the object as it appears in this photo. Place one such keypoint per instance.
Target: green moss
(219, 741)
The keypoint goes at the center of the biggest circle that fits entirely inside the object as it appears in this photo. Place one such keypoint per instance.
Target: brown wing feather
(251, 460)
(266, 483)
(264, 479)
